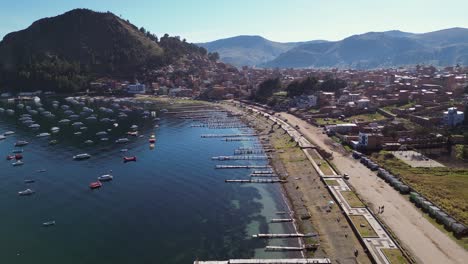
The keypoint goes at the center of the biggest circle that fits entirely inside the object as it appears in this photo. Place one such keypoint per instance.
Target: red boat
(127, 159)
(152, 140)
(18, 156)
(95, 185)
(134, 133)
(10, 157)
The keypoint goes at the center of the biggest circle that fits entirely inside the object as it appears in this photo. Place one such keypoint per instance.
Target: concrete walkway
(424, 241)
(373, 244)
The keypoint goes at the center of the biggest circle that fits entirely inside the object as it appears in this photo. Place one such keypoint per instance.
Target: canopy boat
(25, 192)
(18, 156)
(10, 157)
(29, 181)
(17, 151)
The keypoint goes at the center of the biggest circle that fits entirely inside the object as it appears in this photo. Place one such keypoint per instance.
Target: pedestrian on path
(382, 209)
(378, 211)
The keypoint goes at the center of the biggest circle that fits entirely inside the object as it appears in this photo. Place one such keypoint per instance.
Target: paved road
(426, 243)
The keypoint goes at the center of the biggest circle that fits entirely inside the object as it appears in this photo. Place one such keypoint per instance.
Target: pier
(255, 181)
(248, 151)
(263, 175)
(268, 261)
(240, 158)
(242, 167)
(263, 172)
(227, 135)
(281, 220)
(284, 235)
(240, 139)
(279, 248)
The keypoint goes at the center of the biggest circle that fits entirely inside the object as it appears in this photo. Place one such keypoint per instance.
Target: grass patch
(444, 186)
(394, 256)
(332, 182)
(352, 199)
(363, 226)
(329, 121)
(367, 117)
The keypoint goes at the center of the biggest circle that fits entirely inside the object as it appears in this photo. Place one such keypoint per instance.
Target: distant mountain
(62, 53)
(248, 50)
(380, 49)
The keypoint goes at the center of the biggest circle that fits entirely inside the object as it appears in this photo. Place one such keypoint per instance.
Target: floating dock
(279, 248)
(248, 151)
(227, 135)
(284, 235)
(281, 220)
(268, 261)
(242, 167)
(240, 158)
(263, 175)
(263, 172)
(255, 181)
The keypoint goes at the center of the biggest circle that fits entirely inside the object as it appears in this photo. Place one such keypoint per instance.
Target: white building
(453, 117)
(137, 88)
(341, 128)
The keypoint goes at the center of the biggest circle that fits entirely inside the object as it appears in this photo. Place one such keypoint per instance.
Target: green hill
(62, 53)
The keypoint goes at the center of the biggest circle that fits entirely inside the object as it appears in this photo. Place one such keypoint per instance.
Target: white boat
(20, 143)
(2, 137)
(105, 177)
(78, 133)
(8, 133)
(26, 192)
(101, 133)
(45, 134)
(35, 126)
(89, 142)
(17, 163)
(122, 140)
(82, 156)
(55, 129)
(123, 150)
(48, 223)
(64, 121)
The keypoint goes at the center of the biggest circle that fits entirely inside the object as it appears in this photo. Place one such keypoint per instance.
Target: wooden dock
(248, 151)
(264, 175)
(255, 181)
(284, 235)
(281, 220)
(242, 167)
(280, 248)
(263, 171)
(227, 135)
(240, 158)
(268, 261)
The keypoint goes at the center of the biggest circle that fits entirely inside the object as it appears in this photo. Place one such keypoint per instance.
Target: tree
(143, 30)
(266, 89)
(306, 86)
(214, 56)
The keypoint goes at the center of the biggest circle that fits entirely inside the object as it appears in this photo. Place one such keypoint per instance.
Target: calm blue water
(171, 206)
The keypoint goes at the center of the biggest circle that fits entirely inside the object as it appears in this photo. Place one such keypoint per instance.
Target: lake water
(171, 206)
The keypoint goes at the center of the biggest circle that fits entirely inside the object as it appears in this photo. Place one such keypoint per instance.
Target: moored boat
(122, 140)
(20, 143)
(82, 156)
(127, 159)
(29, 181)
(95, 185)
(26, 192)
(48, 223)
(105, 177)
(17, 163)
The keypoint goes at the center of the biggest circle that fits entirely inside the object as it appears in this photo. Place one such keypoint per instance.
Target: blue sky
(279, 20)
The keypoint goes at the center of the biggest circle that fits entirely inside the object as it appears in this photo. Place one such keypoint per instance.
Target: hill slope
(380, 49)
(62, 52)
(248, 50)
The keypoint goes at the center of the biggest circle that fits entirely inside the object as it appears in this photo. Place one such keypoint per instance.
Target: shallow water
(171, 206)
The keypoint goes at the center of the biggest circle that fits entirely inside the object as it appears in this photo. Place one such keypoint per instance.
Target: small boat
(78, 133)
(89, 142)
(17, 151)
(156, 126)
(18, 156)
(20, 143)
(2, 137)
(8, 133)
(49, 223)
(104, 139)
(105, 177)
(82, 156)
(95, 185)
(55, 129)
(29, 181)
(123, 150)
(127, 159)
(41, 170)
(53, 142)
(17, 163)
(134, 127)
(10, 157)
(122, 140)
(152, 140)
(45, 134)
(132, 133)
(26, 192)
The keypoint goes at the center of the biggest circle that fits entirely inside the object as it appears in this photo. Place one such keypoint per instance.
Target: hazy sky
(279, 20)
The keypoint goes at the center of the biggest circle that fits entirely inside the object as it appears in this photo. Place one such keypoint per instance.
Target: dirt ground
(310, 198)
(424, 241)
